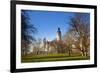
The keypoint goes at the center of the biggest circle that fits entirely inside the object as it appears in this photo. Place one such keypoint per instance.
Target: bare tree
(27, 32)
(37, 46)
(69, 40)
(80, 24)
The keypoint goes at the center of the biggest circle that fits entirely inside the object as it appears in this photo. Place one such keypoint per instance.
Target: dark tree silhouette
(27, 31)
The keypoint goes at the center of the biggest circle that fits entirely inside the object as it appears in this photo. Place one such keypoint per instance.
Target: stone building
(51, 46)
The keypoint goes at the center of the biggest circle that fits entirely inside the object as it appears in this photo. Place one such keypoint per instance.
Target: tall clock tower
(58, 34)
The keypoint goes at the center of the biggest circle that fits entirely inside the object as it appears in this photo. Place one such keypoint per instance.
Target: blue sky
(47, 22)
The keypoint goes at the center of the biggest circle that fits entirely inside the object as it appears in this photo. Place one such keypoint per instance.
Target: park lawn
(52, 57)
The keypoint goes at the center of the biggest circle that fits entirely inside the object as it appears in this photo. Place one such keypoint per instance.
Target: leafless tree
(37, 46)
(27, 32)
(69, 40)
(80, 24)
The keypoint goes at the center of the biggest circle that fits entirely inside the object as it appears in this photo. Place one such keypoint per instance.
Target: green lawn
(52, 57)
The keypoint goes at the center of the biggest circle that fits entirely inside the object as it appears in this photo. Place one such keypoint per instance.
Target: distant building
(57, 45)
(50, 46)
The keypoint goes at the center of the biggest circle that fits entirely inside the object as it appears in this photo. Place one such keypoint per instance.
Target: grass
(52, 57)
